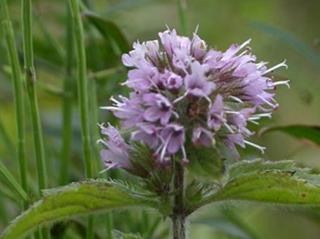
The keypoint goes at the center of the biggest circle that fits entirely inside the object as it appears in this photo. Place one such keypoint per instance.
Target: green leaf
(109, 30)
(78, 199)
(311, 132)
(268, 182)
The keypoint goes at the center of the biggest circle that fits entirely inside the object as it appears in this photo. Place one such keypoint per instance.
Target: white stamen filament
(228, 127)
(261, 148)
(180, 98)
(114, 100)
(282, 64)
(261, 64)
(184, 154)
(235, 99)
(253, 122)
(165, 147)
(112, 108)
(268, 102)
(244, 44)
(285, 82)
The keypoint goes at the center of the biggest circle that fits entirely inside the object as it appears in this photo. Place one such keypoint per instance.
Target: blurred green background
(280, 29)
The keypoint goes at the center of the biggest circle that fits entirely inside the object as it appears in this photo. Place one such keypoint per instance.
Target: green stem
(182, 8)
(83, 96)
(82, 86)
(18, 97)
(179, 215)
(109, 225)
(32, 95)
(67, 103)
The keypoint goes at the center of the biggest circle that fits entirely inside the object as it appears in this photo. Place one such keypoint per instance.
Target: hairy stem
(179, 215)
(83, 97)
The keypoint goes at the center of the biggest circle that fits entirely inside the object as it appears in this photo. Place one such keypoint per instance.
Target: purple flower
(143, 78)
(197, 83)
(148, 134)
(240, 119)
(173, 137)
(182, 89)
(231, 141)
(198, 47)
(158, 108)
(202, 136)
(171, 81)
(216, 114)
(116, 155)
(129, 110)
(136, 57)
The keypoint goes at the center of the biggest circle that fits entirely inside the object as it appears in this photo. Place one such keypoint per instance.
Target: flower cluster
(183, 91)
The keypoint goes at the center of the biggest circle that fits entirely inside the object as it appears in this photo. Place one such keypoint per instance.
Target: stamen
(244, 44)
(261, 148)
(261, 64)
(184, 155)
(181, 97)
(285, 82)
(228, 127)
(114, 100)
(268, 102)
(253, 122)
(282, 64)
(165, 147)
(112, 108)
(235, 99)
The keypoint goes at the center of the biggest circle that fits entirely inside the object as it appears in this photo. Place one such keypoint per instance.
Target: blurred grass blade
(82, 85)
(259, 181)
(17, 81)
(77, 199)
(12, 182)
(302, 48)
(5, 138)
(109, 30)
(67, 103)
(303, 132)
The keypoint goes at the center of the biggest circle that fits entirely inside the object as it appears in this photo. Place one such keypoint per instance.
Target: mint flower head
(185, 94)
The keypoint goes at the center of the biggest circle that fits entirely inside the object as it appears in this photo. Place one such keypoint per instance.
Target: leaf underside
(76, 199)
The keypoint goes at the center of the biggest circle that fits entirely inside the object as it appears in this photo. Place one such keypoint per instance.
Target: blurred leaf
(109, 30)
(308, 132)
(76, 199)
(59, 229)
(259, 181)
(12, 183)
(308, 52)
(226, 226)
(125, 5)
